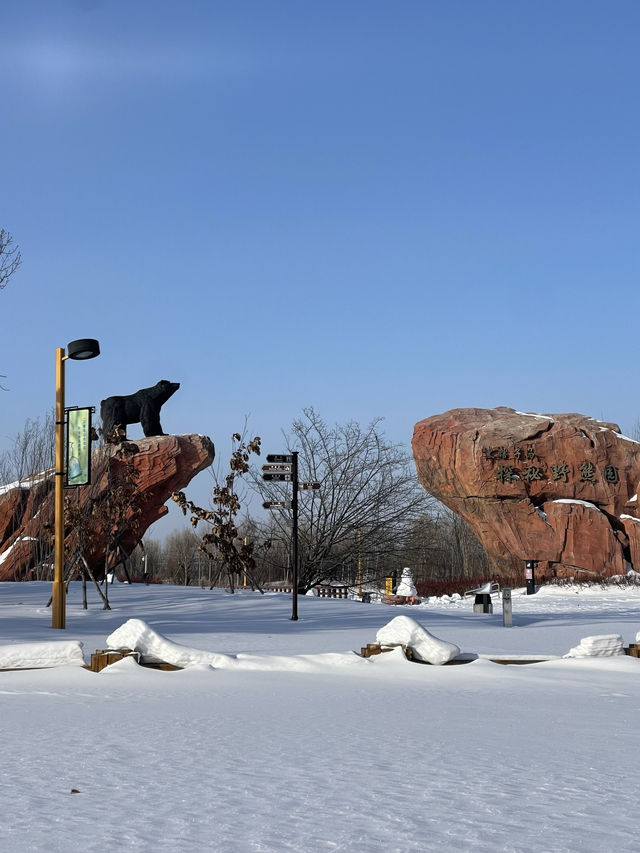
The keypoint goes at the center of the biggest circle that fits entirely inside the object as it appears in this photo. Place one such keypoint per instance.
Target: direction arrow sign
(285, 467)
(277, 504)
(308, 485)
(279, 477)
(280, 457)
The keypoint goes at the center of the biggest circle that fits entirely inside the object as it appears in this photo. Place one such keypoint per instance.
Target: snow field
(383, 756)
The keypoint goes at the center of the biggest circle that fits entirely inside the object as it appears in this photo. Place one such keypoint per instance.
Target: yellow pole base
(57, 605)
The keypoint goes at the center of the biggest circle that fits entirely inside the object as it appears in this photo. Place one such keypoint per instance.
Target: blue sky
(374, 208)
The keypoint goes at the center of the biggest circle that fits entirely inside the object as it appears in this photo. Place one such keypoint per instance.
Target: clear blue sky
(375, 208)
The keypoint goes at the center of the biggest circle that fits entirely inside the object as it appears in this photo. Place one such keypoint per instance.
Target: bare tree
(30, 459)
(182, 551)
(10, 257)
(32, 451)
(232, 553)
(441, 546)
(120, 508)
(10, 260)
(354, 526)
(147, 558)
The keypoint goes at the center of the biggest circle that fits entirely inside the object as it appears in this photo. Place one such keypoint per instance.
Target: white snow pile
(39, 655)
(405, 631)
(406, 585)
(600, 645)
(140, 637)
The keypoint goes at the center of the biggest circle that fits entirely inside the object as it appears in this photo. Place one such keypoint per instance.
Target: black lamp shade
(82, 349)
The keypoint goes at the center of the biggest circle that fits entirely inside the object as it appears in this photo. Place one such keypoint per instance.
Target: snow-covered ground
(326, 752)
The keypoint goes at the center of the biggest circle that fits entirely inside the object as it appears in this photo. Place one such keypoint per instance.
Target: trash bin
(482, 603)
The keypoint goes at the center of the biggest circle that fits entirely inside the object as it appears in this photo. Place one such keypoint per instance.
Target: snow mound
(40, 655)
(403, 630)
(600, 645)
(140, 637)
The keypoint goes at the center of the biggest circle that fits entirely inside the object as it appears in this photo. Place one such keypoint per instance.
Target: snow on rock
(26, 483)
(625, 437)
(37, 655)
(6, 553)
(576, 501)
(600, 645)
(403, 630)
(406, 585)
(534, 415)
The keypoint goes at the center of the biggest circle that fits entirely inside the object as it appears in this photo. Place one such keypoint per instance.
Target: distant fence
(321, 591)
(332, 591)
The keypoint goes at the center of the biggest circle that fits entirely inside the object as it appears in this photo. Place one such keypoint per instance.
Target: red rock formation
(553, 488)
(163, 464)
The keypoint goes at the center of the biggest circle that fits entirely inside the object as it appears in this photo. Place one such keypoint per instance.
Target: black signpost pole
(294, 536)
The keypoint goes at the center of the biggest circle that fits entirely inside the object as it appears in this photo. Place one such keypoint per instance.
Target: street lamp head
(83, 349)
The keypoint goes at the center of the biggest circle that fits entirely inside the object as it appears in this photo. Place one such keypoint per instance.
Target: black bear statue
(143, 407)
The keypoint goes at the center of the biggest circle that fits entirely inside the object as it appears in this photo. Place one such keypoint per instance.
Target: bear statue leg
(150, 422)
(113, 416)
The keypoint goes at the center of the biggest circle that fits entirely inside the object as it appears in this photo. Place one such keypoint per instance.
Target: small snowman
(406, 586)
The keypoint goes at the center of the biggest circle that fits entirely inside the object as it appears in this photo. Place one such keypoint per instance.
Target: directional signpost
(280, 471)
(283, 468)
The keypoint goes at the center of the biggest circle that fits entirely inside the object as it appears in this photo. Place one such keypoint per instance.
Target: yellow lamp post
(76, 350)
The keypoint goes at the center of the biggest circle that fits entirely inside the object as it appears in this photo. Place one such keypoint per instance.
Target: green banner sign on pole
(78, 447)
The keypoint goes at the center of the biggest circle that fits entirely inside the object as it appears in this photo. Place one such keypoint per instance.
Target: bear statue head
(165, 389)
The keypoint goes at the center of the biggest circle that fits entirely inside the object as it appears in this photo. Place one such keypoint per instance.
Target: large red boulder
(558, 489)
(151, 469)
